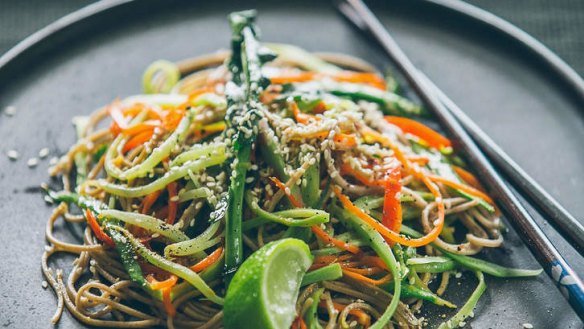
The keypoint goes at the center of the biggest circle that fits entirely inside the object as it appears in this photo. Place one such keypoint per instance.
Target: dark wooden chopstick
(568, 226)
(540, 246)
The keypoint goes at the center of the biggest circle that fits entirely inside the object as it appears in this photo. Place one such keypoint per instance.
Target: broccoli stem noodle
(224, 155)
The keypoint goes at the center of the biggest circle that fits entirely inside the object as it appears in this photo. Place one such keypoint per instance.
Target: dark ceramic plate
(98, 54)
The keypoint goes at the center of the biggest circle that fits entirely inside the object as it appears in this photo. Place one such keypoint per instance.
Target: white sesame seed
(44, 152)
(12, 155)
(174, 198)
(45, 284)
(32, 162)
(10, 110)
(527, 326)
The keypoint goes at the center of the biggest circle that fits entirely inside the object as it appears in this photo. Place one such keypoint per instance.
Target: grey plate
(521, 104)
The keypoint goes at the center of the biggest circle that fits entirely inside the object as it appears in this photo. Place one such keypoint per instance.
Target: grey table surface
(558, 24)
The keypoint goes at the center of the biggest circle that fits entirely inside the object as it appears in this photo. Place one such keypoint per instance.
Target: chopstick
(568, 226)
(540, 246)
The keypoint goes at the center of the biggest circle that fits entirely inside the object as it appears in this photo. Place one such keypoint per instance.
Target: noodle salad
(266, 187)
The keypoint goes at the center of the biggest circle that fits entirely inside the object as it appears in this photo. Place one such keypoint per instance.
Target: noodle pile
(160, 164)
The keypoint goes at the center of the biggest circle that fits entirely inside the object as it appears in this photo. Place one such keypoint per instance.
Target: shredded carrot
(348, 272)
(348, 169)
(293, 78)
(431, 137)
(301, 323)
(385, 232)
(369, 78)
(371, 135)
(316, 135)
(419, 159)
(99, 233)
(321, 234)
(373, 261)
(167, 302)
(301, 117)
(345, 140)
(208, 261)
(328, 259)
(158, 285)
(172, 202)
(465, 188)
(468, 178)
(137, 140)
(149, 200)
(295, 202)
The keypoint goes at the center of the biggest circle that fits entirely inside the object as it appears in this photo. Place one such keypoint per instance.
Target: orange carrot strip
(158, 285)
(347, 169)
(321, 234)
(385, 232)
(468, 177)
(97, 231)
(172, 203)
(295, 202)
(345, 140)
(149, 200)
(292, 78)
(301, 117)
(465, 188)
(419, 159)
(369, 78)
(208, 261)
(167, 302)
(137, 140)
(348, 272)
(420, 130)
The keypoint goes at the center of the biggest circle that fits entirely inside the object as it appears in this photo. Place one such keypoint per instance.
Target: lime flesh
(264, 290)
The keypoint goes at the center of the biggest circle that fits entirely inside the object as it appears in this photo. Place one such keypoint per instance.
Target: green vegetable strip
(197, 193)
(182, 272)
(291, 217)
(191, 246)
(196, 152)
(172, 175)
(158, 154)
(378, 244)
(146, 222)
(310, 315)
(310, 186)
(327, 273)
(153, 83)
(431, 264)
(476, 264)
(242, 116)
(391, 103)
(80, 157)
(123, 247)
(409, 291)
(467, 309)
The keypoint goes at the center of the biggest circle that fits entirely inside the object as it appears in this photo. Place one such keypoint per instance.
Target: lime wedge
(264, 290)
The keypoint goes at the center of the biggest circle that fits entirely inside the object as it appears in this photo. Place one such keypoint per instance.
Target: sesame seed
(12, 155)
(44, 152)
(527, 326)
(44, 284)
(32, 162)
(10, 110)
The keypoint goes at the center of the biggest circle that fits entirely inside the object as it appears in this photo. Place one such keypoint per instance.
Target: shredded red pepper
(97, 231)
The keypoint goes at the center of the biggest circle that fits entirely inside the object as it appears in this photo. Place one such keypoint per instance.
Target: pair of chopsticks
(466, 135)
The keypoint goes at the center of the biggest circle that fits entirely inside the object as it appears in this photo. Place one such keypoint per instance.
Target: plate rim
(494, 23)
